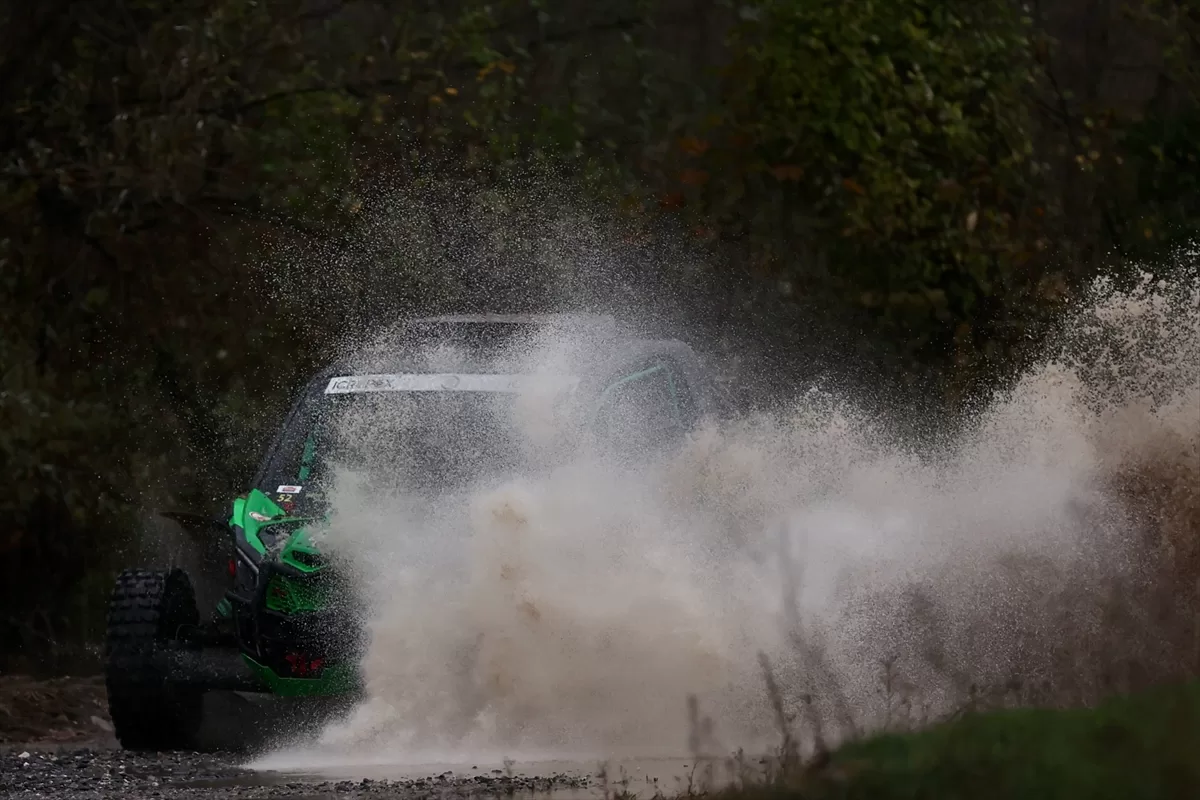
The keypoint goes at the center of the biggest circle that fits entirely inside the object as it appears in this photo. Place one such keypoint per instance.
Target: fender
(198, 526)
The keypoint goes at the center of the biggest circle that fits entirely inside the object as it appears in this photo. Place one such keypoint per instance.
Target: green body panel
(288, 596)
(339, 679)
(300, 542)
(245, 515)
(255, 502)
(252, 515)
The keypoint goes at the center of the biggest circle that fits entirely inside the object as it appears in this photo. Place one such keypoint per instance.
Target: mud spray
(590, 611)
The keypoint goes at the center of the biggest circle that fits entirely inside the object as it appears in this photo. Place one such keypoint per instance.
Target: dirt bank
(67, 710)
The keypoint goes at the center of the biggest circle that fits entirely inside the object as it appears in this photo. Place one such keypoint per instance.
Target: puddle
(558, 779)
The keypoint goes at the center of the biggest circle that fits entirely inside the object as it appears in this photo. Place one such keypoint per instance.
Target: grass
(1138, 747)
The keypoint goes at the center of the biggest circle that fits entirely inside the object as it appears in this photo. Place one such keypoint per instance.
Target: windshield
(408, 432)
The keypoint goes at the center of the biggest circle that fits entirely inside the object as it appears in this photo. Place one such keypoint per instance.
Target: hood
(270, 533)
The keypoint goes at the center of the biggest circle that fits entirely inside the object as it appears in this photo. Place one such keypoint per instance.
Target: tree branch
(232, 209)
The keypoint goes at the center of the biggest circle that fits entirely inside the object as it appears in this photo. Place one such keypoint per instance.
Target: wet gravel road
(56, 742)
(84, 773)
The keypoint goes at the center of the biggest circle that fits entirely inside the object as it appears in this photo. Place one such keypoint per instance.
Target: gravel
(56, 742)
(70, 773)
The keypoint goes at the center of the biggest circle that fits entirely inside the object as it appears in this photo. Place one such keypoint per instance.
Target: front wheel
(147, 611)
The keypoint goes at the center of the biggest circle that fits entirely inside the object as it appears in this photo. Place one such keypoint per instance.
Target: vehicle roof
(521, 319)
(509, 324)
(481, 337)
(400, 361)
(484, 335)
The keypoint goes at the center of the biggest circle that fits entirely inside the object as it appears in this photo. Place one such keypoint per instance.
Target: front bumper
(299, 633)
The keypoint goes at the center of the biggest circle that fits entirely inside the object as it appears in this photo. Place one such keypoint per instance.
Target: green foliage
(891, 145)
(1137, 747)
(1153, 154)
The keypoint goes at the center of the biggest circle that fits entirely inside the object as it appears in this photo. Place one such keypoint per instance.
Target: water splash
(572, 611)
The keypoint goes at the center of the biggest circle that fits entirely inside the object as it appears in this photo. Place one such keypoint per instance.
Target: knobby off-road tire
(146, 612)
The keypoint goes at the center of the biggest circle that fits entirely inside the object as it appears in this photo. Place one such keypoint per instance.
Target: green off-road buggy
(290, 622)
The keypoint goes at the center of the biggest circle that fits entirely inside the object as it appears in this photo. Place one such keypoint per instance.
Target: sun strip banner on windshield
(447, 382)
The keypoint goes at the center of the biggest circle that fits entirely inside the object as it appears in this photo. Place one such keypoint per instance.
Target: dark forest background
(196, 196)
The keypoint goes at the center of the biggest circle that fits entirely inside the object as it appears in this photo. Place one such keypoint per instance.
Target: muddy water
(581, 779)
(872, 579)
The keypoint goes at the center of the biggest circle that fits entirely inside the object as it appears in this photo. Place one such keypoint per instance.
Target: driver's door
(643, 408)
